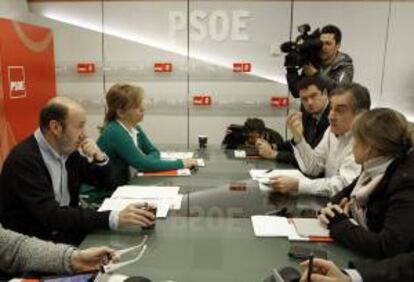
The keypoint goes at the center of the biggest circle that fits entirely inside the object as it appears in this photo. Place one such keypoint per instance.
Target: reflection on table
(207, 249)
(221, 169)
(211, 238)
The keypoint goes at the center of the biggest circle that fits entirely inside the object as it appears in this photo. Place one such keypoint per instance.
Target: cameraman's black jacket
(340, 71)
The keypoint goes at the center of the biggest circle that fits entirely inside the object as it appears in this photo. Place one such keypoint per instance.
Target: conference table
(224, 188)
(211, 237)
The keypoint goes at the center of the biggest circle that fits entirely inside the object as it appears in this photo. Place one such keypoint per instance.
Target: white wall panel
(138, 33)
(267, 24)
(398, 89)
(13, 9)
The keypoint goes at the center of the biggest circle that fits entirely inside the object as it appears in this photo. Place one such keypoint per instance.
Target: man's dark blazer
(28, 200)
(396, 269)
(389, 214)
(313, 138)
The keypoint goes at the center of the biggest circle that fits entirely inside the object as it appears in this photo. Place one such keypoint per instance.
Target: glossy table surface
(211, 238)
(224, 188)
(207, 249)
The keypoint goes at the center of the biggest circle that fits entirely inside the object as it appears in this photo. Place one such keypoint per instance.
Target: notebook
(311, 228)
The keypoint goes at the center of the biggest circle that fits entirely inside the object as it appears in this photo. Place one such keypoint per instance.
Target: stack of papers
(145, 192)
(163, 197)
(271, 226)
(263, 176)
(172, 156)
(276, 226)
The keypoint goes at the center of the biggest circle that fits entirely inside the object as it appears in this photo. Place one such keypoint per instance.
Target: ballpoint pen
(310, 267)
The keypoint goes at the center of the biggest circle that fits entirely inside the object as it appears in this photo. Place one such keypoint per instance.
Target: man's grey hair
(361, 100)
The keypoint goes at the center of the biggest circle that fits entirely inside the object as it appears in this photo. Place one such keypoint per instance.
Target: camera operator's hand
(309, 69)
(294, 122)
(265, 149)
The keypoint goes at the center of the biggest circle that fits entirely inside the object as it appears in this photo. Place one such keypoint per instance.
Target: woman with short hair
(381, 199)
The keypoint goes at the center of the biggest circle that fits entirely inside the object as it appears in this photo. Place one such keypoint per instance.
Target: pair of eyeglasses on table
(112, 267)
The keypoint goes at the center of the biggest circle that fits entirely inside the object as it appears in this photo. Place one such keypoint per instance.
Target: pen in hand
(269, 170)
(310, 267)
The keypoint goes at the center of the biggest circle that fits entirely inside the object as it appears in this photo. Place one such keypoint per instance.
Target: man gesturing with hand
(333, 156)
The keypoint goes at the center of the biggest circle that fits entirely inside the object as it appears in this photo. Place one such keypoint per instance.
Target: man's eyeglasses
(111, 267)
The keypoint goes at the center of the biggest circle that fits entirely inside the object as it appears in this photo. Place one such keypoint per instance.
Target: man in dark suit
(398, 268)
(314, 98)
(42, 176)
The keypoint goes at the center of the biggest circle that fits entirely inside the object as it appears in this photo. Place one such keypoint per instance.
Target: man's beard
(66, 144)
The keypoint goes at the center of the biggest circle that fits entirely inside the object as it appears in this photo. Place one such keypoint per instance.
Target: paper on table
(275, 226)
(162, 205)
(200, 162)
(241, 154)
(171, 155)
(120, 204)
(263, 177)
(294, 236)
(117, 204)
(265, 187)
(271, 226)
(146, 192)
(310, 227)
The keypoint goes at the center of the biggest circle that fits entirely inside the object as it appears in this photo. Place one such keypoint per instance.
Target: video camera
(305, 49)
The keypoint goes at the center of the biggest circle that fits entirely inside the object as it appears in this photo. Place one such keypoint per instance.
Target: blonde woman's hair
(122, 97)
(386, 130)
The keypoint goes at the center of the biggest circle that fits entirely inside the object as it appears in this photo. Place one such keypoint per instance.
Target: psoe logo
(17, 80)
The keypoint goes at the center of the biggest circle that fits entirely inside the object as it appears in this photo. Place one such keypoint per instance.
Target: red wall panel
(27, 79)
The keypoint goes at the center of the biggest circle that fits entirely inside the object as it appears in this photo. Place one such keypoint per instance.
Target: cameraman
(334, 67)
